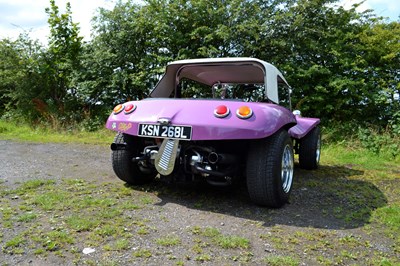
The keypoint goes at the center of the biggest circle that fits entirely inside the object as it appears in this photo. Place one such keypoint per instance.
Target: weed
(27, 217)
(52, 200)
(106, 230)
(168, 241)
(203, 258)
(118, 245)
(281, 260)
(224, 241)
(146, 200)
(389, 216)
(80, 223)
(197, 249)
(232, 242)
(15, 242)
(348, 255)
(142, 253)
(39, 251)
(143, 231)
(210, 232)
(34, 184)
(244, 257)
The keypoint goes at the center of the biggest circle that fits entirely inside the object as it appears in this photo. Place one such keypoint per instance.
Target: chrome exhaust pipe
(222, 158)
(213, 158)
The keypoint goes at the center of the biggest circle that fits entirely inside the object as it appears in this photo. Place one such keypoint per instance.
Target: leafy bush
(381, 141)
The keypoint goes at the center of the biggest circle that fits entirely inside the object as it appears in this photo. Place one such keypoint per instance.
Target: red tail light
(130, 108)
(221, 111)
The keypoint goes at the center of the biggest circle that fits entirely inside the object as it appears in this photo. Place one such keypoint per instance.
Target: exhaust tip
(213, 158)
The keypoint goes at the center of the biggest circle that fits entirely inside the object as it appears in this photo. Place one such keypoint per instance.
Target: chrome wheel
(318, 151)
(287, 169)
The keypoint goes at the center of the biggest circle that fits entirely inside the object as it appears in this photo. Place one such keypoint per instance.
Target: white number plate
(163, 131)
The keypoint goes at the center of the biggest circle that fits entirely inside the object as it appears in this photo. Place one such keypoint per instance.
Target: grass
(168, 241)
(347, 212)
(281, 260)
(223, 241)
(142, 253)
(22, 132)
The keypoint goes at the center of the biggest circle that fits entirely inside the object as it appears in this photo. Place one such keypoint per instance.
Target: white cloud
(19, 15)
(384, 8)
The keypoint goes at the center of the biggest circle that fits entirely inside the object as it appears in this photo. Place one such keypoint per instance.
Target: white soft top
(209, 71)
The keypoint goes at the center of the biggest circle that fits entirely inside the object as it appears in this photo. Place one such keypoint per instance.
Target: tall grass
(382, 144)
(39, 133)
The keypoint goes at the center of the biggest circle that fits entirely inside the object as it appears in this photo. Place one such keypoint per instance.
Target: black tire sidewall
(264, 170)
(122, 163)
(308, 149)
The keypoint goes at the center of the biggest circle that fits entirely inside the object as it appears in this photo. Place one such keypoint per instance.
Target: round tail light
(221, 111)
(129, 108)
(244, 112)
(118, 109)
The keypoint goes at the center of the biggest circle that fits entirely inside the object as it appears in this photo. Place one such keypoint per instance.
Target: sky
(17, 16)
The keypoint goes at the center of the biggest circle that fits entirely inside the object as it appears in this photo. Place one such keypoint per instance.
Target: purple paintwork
(304, 125)
(266, 120)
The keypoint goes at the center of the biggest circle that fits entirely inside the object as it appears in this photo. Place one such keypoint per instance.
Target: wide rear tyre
(310, 150)
(122, 164)
(270, 165)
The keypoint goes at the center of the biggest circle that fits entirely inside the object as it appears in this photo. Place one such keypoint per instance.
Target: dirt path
(20, 161)
(327, 222)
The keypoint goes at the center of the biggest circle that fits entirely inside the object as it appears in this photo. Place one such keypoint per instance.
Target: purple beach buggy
(216, 120)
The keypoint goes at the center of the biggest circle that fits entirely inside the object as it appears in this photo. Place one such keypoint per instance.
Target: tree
(342, 64)
(20, 78)
(62, 59)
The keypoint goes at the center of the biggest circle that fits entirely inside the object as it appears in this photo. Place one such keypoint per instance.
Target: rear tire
(122, 164)
(310, 150)
(270, 165)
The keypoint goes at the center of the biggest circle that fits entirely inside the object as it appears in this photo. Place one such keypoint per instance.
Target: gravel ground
(21, 161)
(312, 212)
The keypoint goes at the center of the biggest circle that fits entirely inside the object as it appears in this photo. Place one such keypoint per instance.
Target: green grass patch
(232, 241)
(118, 245)
(57, 240)
(27, 217)
(340, 154)
(281, 260)
(15, 242)
(168, 241)
(223, 241)
(34, 184)
(22, 132)
(142, 253)
(389, 216)
(81, 223)
(53, 200)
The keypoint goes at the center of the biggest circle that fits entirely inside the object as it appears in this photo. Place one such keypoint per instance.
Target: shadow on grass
(332, 197)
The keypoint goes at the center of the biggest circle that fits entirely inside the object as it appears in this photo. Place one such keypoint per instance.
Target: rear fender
(304, 125)
(266, 118)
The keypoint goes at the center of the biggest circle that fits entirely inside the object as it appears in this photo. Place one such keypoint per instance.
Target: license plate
(165, 131)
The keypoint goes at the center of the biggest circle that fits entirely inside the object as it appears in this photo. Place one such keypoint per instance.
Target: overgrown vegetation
(41, 133)
(342, 64)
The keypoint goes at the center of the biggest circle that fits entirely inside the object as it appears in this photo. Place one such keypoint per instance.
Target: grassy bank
(24, 132)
